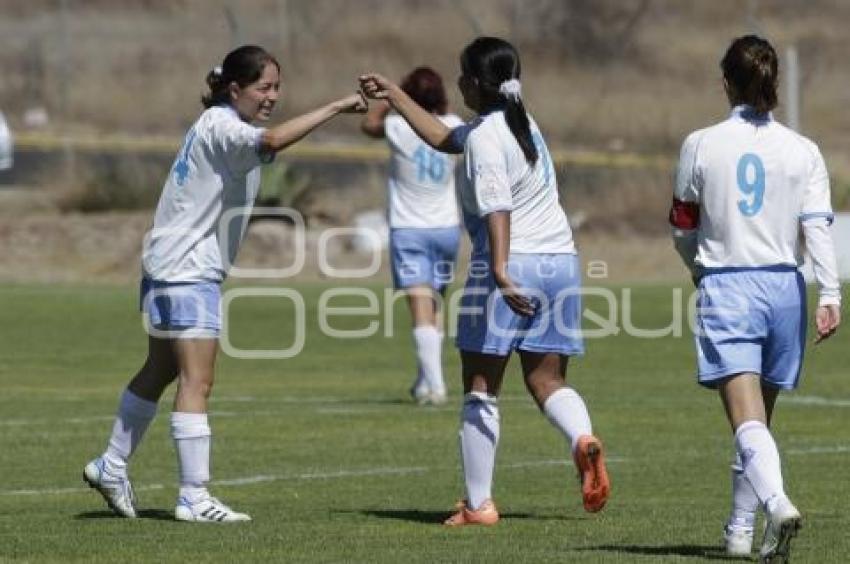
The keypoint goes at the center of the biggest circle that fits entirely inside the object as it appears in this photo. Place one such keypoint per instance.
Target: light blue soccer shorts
(423, 256)
(751, 320)
(552, 281)
(181, 310)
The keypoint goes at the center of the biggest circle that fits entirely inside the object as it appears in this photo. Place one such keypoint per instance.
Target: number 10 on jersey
(751, 184)
(430, 164)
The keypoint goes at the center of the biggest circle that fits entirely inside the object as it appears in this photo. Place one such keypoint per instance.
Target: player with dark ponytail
(494, 64)
(424, 223)
(527, 299)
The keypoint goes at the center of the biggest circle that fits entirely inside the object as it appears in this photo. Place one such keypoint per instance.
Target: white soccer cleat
(782, 525)
(116, 490)
(208, 510)
(423, 395)
(420, 395)
(739, 542)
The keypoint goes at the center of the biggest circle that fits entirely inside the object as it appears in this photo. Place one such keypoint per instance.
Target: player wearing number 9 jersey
(424, 224)
(198, 226)
(746, 190)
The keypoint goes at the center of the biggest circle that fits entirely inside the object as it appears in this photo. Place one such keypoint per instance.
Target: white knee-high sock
(132, 420)
(479, 437)
(745, 503)
(429, 352)
(567, 412)
(192, 437)
(760, 460)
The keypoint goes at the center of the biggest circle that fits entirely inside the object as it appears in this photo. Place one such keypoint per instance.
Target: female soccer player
(424, 222)
(523, 288)
(185, 258)
(746, 189)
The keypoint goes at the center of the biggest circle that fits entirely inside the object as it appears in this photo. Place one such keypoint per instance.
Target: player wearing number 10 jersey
(424, 223)
(746, 190)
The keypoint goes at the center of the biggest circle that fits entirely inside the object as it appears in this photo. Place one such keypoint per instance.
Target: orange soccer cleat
(594, 477)
(484, 515)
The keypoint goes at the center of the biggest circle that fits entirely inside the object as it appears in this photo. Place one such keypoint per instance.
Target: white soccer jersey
(754, 181)
(216, 171)
(421, 187)
(499, 178)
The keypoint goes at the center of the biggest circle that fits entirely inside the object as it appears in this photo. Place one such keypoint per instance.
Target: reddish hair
(425, 86)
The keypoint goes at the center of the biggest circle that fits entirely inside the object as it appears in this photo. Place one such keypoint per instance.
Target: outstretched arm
(429, 128)
(279, 137)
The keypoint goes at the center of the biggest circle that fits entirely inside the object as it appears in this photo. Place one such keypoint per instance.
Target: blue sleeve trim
(829, 216)
(459, 135)
(485, 213)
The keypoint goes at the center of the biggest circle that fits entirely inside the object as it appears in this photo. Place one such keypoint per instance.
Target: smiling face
(256, 101)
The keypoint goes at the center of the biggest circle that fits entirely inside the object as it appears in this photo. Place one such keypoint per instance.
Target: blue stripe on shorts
(753, 321)
(423, 256)
(184, 308)
(553, 281)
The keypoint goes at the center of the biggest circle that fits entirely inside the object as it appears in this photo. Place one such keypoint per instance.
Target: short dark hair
(425, 86)
(751, 67)
(244, 65)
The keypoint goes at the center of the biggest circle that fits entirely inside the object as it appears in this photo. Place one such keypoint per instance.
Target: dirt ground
(41, 246)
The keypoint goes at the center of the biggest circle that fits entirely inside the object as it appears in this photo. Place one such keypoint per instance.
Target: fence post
(792, 88)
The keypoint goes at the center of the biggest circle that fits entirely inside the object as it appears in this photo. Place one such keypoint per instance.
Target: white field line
(336, 406)
(380, 471)
(96, 418)
(323, 475)
(337, 400)
(329, 400)
(328, 475)
(815, 400)
(214, 414)
(70, 420)
(838, 449)
(63, 491)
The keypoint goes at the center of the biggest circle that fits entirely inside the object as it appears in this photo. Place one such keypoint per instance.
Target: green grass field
(335, 465)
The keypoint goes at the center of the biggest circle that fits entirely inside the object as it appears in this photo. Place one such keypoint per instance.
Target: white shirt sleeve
(821, 249)
(816, 198)
(686, 190)
(815, 218)
(487, 174)
(240, 145)
(688, 178)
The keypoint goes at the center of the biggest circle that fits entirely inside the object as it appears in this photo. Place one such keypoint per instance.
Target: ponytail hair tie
(217, 71)
(511, 89)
